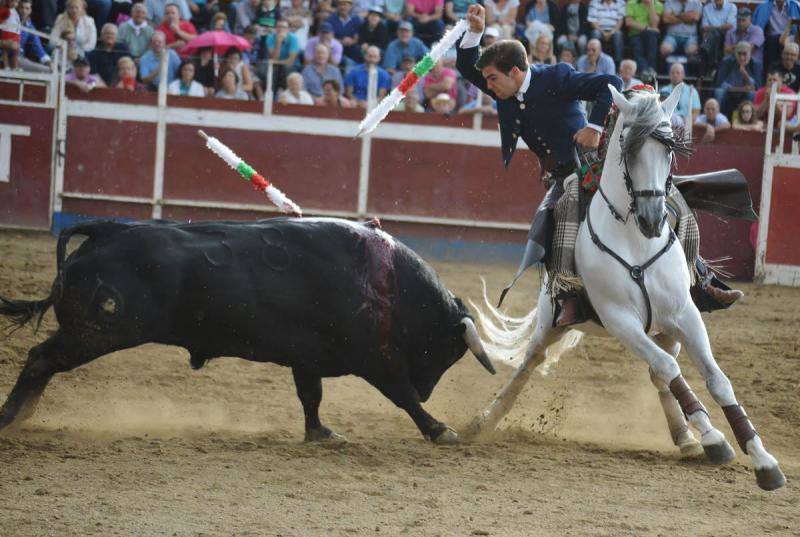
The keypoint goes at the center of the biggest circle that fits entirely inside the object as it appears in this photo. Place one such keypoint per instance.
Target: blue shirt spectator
(719, 13)
(290, 45)
(405, 45)
(595, 60)
(344, 25)
(357, 79)
(150, 63)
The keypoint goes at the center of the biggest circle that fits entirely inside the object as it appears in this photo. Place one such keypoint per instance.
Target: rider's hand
(476, 17)
(587, 137)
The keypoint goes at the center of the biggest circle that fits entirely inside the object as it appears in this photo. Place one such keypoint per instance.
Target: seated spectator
(332, 96)
(745, 30)
(406, 45)
(542, 51)
(246, 11)
(81, 77)
(443, 104)
(126, 74)
(410, 103)
(595, 60)
(105, 56)
(250, 57)
(455, 10)
(76, 20)
(393, 13)
(744, 119)
(405, 67)
(681, 18)
(484, 104)
(567, 54)
(229, 89)
(627, 72)
(150, 62)
(373, 31)
(719, 17)
(294, 92)
(502, 14)
(642, 18)
(789, 66)
(427, 19)
(773, 17)
(572, 29)
(233, 60)
(157, 9)
(606, 18)
(738, 79)
(176, 31)
(345, 27)
(204, 69)
(282, 49)
(32, 55)
(136, 33)
(10, 39)
(439, 80)
(316, 73)
(541, 16)
(326, 38)
(299, 18)
(357, 80)
(490, 36)
(205, 15)
(712, 120)
(186, 84)
(774, 78)
(219, 23)
(689, 102)
(267, 15)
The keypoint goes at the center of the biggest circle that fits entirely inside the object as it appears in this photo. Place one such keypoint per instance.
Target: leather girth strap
(685, 396)
(742, 428)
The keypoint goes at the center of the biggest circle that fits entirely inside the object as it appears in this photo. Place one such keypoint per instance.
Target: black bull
(325, 297)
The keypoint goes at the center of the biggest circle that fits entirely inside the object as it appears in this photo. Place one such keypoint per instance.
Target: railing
(784, 101)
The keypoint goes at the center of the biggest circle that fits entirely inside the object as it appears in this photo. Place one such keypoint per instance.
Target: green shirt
(641, 13)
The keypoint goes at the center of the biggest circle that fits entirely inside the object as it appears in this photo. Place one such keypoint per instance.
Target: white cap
(492, 31)
(442, 97)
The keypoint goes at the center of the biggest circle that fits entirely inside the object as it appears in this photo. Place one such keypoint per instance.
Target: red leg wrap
(685, 396)
(742, 428)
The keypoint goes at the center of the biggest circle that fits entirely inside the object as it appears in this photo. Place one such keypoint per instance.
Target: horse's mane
(647, 121)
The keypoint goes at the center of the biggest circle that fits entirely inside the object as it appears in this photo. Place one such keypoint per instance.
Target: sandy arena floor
(138, 444)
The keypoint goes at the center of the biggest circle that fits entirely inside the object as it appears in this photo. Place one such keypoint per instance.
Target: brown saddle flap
(724, 193)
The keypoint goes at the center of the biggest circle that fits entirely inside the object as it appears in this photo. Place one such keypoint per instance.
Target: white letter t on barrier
(6, 132)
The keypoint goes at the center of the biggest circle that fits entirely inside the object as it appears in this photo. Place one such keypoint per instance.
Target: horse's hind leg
(676, 421)
(57, 354)
(693, 335)
(544, 335)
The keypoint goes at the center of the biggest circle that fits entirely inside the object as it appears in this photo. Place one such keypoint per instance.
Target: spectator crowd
(322, 51)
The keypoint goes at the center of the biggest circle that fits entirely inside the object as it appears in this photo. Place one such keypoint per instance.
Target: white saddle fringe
(507, 337)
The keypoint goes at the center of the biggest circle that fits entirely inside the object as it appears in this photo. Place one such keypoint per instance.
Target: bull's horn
(473, 341)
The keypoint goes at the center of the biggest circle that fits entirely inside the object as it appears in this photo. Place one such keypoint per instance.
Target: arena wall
(436, 182)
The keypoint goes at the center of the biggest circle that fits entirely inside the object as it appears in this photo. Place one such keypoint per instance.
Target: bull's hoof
(323, 434)
(719, 453)
(447, 437)
(770, 478)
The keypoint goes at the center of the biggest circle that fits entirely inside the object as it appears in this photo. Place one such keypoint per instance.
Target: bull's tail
(22, 311)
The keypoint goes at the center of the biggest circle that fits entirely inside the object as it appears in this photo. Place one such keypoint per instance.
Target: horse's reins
(636, 271)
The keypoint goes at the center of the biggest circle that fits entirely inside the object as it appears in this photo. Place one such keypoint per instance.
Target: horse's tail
(507, 337)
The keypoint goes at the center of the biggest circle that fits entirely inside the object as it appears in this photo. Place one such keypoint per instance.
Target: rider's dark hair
(504, 55)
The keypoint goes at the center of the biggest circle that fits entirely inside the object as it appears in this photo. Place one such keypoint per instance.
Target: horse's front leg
(692, 334)
(543, 336)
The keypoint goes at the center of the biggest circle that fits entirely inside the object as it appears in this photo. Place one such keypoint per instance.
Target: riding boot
(570, 309)
(709, 293)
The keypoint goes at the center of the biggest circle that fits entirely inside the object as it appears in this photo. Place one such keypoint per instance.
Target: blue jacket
(762, 12)
(550, 114)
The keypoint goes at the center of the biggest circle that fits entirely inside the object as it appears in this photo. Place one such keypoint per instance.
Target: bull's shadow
(326, 297)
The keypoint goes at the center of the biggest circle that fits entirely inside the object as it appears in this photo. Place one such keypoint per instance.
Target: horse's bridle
(636, 271)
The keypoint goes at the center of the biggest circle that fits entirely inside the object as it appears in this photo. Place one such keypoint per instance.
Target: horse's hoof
(448, 437)
(770, 478)
(720, 453)
(691, 449)
(323, 434)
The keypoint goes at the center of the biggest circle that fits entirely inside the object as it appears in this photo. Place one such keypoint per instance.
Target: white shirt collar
(524, 87)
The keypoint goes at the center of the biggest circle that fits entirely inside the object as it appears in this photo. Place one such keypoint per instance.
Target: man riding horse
(540, 104)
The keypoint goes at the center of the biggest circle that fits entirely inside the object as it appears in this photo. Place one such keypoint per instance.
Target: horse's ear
(671, 102)
(622, 103)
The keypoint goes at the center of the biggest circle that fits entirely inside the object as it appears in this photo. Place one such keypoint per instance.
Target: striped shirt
(606, 15)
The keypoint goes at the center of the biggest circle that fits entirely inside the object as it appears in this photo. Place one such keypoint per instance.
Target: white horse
(638, 282)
